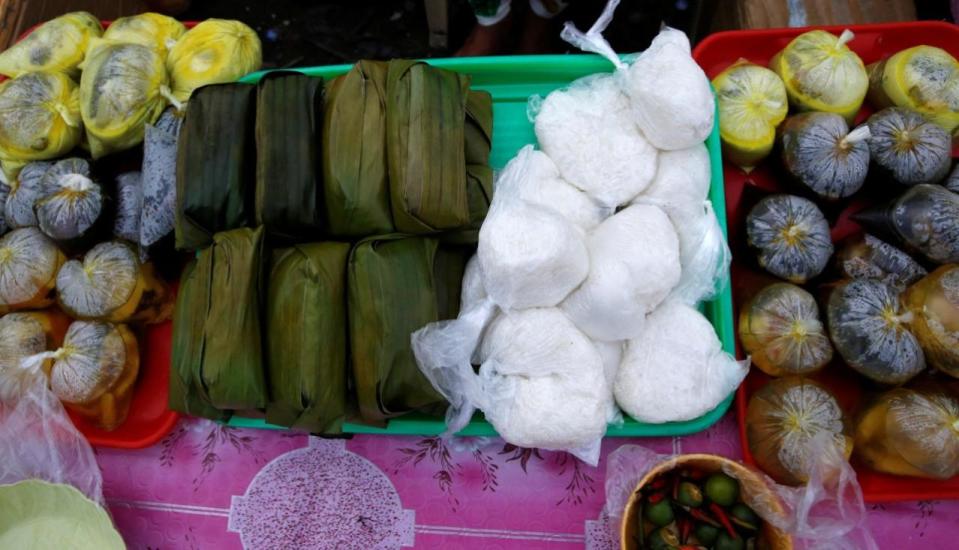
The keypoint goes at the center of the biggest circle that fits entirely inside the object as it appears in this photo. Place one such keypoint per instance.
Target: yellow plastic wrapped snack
(39, 119)
(922, 78)
(153, 30)
(821, 73)
(216, 50)
(123, 88)
(57, 45)
(911, 433)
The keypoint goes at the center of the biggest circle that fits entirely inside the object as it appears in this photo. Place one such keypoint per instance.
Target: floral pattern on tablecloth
(211, 486)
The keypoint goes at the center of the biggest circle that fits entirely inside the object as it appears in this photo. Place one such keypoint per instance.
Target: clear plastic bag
(530, 256)
(37, 438)
(826, 513)
(670, 97)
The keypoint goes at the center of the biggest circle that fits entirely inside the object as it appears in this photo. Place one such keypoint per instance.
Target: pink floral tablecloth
(207, 486)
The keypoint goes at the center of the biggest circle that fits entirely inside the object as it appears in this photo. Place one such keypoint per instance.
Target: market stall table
(211, 486)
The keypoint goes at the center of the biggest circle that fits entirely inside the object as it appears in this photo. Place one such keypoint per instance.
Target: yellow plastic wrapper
(783, 418)
(123, 88)
(781, 330)
(95, 371)
(153, 30)
(911, 433)
(39, 119)
(216, 50)
(821, 73)
(934, 303)
(752, 103)
(57, 45)
(922, 78)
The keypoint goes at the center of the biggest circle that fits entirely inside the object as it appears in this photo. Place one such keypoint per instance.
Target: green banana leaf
(356, 183)
(306, 337)
(425, 119)
(397, 285)
(479, 179)
(232, 363)
(193, 302)
(215, 164)
(478, 131)
(288, 127)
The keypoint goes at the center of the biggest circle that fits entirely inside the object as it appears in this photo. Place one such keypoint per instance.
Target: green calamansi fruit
(726, 542)
(706, 534)
(744, 517)
(660, 513)
(722, 489)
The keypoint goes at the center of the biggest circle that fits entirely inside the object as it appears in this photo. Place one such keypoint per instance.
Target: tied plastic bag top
(827, 513)
(588, 131)
(123, 88)
(676, 368)
(37, 438)
(530, 256)
(669, 95)
(57, 46)
(634, 264)
(39, 119)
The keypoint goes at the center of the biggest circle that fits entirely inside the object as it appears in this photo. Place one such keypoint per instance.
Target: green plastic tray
(512, 81)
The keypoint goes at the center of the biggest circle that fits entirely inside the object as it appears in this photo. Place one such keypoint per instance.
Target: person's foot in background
(492, 33)
(540, 27)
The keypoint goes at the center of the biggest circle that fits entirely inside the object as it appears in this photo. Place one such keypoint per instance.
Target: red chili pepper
(721, 514)
(657, 483)
(703, 517)
(656, 497)
(685, 528)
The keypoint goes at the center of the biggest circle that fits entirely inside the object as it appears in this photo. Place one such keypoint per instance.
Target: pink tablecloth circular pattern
(210, 486)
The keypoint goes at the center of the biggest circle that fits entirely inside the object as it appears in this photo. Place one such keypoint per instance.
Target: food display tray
(871, 42)
(512, 81)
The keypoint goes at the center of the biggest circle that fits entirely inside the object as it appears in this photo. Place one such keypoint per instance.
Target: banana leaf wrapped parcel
(425, 119)
(215, 164)
(220, 362)
(187, 394)
(289, 118)
(305, 323)
(478, 142)
(355, 174)
(396, 285)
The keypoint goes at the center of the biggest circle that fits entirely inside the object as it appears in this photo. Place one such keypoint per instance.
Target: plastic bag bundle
(39, 441)
(57, 45)
(536, 365)
(129, 205)
(159, 178)
(681, 188)
(18, 211)
(634, 264)
(669, 95)
(676, 368)
(215, 51)
(39, 119)
(530, 256)
(588, 132)
(153, 30)
(546, 188)
(123, 88)
(827, 512)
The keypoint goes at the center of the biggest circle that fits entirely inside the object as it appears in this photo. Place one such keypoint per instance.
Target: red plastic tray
(872, 42)
(149, 418)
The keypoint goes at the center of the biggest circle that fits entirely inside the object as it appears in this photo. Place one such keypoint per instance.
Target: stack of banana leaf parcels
(329, 220)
